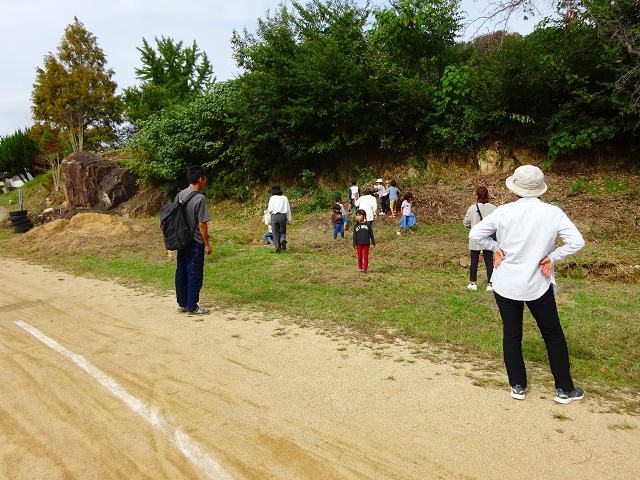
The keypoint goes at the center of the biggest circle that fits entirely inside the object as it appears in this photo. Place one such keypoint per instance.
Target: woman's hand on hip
(546, 266)
(498, 257)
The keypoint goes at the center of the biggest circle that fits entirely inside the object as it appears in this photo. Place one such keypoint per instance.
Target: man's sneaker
(182, 309)
(518, 392)
(472, 286)
(562, 397)
(283, 244)
(199, 311)
(489, 288)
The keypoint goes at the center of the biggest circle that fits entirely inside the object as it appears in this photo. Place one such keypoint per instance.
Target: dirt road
(98, 381)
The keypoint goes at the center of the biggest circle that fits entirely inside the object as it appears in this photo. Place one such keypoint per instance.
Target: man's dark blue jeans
(189, 271)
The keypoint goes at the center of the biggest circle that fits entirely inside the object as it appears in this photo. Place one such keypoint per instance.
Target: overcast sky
(29, 29)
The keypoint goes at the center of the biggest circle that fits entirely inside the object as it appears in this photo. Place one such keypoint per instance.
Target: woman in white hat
(524, 256)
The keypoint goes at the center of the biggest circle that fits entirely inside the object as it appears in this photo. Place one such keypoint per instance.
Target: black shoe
(283, 244)
(278, 250)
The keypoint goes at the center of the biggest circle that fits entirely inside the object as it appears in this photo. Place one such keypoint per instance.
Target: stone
(91, 180)
(489, 162)
(524, 156)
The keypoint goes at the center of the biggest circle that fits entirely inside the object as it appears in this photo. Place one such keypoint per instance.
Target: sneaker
(518, 392)
(364, 271)
(398, 232)
(199, 311)
(562, 397)
(489, 288)
(182, 309)
(382, 214)
(283, 245)
(472, 286)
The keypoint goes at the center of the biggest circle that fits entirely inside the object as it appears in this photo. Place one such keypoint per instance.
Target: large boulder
(91, 180)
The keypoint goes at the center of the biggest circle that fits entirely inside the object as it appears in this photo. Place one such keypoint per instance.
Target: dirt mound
(87, 233)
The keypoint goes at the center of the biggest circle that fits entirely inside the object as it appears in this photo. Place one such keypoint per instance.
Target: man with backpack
(190, 259)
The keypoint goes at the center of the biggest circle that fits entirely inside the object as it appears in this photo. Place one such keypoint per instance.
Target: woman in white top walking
(525, 254)
(474, 215)
(280, 212)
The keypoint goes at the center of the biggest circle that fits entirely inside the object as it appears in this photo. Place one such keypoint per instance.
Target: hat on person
(527, 181)
(275, 190)
(379, 180)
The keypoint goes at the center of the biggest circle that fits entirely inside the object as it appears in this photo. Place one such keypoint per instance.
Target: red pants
(363, 256)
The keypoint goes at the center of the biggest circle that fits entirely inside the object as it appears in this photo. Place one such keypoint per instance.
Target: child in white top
(266, 219)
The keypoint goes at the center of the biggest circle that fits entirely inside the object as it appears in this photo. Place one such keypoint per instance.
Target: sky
(30, 29)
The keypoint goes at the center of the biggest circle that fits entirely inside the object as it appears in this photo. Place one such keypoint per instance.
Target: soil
(260, 398)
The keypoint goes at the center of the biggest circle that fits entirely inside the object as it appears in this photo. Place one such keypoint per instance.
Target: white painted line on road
(180, 439)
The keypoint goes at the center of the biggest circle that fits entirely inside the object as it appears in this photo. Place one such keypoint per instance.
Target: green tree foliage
(322, 85)
(199, 132)
(17, 154)
(171, 75)
(414, 41)
(563, 78)
(75, 92)
(305, 93)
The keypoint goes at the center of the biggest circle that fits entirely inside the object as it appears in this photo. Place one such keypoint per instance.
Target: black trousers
(488, 263)
(279, 229)
(384, 204)
(545, 311)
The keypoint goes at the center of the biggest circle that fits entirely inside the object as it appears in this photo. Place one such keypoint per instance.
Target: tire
(20, 222)
(18, 213)
(22, 229)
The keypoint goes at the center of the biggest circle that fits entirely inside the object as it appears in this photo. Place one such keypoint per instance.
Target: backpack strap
(184, 210)
(190, 196)
(478, 209)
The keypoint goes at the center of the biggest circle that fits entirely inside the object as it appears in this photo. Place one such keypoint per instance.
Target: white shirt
(526, 231)
(279, 204)
(369, 204)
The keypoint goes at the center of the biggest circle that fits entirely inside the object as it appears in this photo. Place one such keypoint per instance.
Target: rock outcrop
(91, 180)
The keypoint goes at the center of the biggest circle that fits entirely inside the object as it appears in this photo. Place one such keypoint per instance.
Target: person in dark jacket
(362, 240)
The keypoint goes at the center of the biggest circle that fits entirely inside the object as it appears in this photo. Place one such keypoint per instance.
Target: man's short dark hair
(194, 174)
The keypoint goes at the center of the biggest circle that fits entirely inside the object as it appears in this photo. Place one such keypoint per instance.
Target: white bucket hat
(379, 180)
(527, 181)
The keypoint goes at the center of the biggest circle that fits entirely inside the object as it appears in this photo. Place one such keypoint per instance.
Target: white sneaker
(489, 288)
(199, 311)
(472, 286)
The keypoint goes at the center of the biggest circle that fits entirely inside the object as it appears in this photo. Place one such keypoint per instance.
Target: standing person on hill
(280, 212)
(525, 254)
(362, 239)
(383, 194)
(337, 222)
(190, 260)
(408, 217)
(354, 194)
(368, 203)
(394, 193)
(474, 215)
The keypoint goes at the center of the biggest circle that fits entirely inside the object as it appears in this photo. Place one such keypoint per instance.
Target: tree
(171, 76)
(617, 21)
(306, 93)
(17, 154)
(75, 92)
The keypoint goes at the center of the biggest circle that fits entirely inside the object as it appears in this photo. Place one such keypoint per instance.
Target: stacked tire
(20, 221)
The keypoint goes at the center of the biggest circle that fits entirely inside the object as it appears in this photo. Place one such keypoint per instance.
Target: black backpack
(176, 232)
